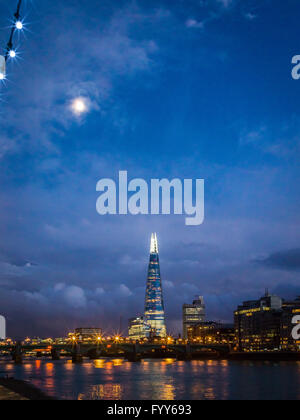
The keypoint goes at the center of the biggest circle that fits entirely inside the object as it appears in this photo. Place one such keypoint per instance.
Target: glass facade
(138, 329)
(154, 304)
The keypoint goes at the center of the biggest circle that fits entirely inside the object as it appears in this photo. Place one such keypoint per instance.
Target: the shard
(154, 303)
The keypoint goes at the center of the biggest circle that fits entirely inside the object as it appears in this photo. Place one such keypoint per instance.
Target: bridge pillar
(135, 355)
(77, 356)
(187, 354)
(17, 354)
(94, 354)
(55, 354)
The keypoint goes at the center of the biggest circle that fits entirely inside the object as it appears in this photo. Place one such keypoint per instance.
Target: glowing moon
(79, 106)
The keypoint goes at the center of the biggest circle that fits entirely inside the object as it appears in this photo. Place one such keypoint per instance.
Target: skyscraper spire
(154, 244)
(154, 304)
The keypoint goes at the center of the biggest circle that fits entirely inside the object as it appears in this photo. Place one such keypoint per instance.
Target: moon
(80, 106)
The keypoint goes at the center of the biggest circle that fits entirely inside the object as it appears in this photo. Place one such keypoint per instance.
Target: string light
(19, 25)
(10, 52)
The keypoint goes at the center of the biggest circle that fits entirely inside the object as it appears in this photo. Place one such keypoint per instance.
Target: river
(168, 379)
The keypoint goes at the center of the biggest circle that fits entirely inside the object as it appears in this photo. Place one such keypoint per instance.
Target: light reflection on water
(103, 392)
(168, 379)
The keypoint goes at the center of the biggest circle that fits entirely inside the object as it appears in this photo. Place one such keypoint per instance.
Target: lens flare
(12, 53)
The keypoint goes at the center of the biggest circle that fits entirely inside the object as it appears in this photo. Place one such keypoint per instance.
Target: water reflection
(168, 379)
(118, 362)
(168, 393)
(99, 364)
(28, 367)
(103, 392)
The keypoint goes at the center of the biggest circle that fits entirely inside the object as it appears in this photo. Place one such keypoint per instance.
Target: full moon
(79, 106)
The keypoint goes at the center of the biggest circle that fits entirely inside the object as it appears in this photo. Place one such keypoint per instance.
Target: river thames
(168, 379)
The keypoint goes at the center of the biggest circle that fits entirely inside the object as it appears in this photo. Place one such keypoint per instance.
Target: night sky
(181, 88)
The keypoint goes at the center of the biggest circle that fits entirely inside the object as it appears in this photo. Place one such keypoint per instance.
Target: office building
(258, 324)
(87, 334)
(212, 333)
(193, 314)
(138, 329)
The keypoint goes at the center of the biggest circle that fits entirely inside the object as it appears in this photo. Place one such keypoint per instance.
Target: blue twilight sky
(181, 88)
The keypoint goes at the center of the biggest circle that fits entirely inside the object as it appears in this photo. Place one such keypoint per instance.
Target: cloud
(125, 291)
(100, 291)
(250, 16)
(193, 23)
(226, 3)
(74, 296)
(7, 145)
(168, 284)
(254, 137)
(282, 141)
(287, 291)
(283, 260)
(213, 11)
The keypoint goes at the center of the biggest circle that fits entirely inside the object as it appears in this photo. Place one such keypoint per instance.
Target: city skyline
(152, 316)
(194, 90)
(271, 317)
(129, 123)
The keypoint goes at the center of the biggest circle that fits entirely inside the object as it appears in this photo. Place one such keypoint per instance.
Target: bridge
(133, 352)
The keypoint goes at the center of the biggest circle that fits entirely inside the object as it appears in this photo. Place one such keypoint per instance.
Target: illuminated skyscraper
(154, 304)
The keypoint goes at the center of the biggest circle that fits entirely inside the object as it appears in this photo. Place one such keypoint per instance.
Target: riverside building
(193, 314)
(266, 325)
